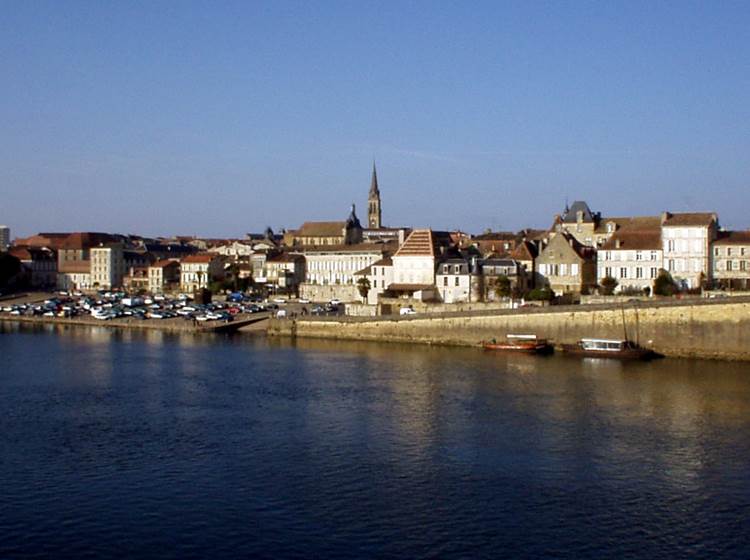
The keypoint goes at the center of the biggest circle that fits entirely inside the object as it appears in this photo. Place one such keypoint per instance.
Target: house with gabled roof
(567, 266)
(415, 261)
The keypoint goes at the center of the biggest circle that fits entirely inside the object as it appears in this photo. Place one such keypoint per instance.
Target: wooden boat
(605, 348)
(526, 343)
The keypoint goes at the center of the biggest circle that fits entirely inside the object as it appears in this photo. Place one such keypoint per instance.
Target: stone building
(348, 232)
(40, 265)
(566, 266)
(731, 260)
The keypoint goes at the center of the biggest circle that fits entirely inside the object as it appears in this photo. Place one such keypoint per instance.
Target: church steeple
(373, 202)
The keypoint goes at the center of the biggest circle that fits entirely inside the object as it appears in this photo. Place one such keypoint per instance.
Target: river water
(117, 444)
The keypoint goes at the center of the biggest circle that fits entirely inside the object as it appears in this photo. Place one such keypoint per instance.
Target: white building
(686, 242)
(4, 238)
(633, 258)
(331, 272)
(234, 249)
(453, 279)
(107, 266)
(199, 271)
(380, 276)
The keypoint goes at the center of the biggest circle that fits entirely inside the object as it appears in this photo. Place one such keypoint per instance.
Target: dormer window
(610, 227)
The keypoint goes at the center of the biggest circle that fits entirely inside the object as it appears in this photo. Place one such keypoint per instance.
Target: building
(332, 272)
(415, 262)
(74, 259)
(200, 271)
(236, 250)
(731, 260)
(163, 276)
(316, 234)
(107, 266)
(4, 238)
(457, 279)
(374, 211)
(579, 222)
(494, 268)
(380, 275)
(686, 243)
(633, 257)
(284, 272)
(40, 265)
(567, 266)
(497, 243)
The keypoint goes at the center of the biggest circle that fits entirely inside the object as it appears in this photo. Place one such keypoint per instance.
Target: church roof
(321, 229)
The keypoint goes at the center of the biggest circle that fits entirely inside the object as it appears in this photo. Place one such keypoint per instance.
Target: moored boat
(525, 343)
(606, 348)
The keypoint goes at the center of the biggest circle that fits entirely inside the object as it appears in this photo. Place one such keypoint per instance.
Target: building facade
(163, 276)
(197, 272)
(731, 260)
(107, 266)
(686, 243)
(4, 238)
(632, 258)
(566, 266)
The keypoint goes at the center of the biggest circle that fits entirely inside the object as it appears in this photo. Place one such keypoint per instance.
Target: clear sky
(219, 118)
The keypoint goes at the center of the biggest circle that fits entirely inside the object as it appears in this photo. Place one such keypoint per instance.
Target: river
(125, 444)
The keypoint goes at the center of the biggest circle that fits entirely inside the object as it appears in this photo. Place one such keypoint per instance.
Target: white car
(279, 300)
(304, 300)
(335, 302)
(407, 311)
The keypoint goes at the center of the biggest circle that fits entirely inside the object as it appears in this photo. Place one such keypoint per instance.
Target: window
(457, 280)
(654, 272)
(743, 265)
(574, 269)
(639, 255)
(563, 270)
(742, 251)
(623, 272)
(608, 271)
(670, 265)
(729, 265)
(446, 269)
(445, 280)
(653, 255)
(717, 251)
(670, 245)
(639, 272)
(457, 269)
(729, 251)
(374, 283)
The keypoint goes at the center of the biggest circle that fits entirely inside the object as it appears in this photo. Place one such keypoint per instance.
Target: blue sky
(218, 118)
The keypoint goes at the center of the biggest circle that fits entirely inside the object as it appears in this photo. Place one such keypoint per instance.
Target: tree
(607, 286)
(540, 294)
(363, 286)
(664, 284)
(502, 286)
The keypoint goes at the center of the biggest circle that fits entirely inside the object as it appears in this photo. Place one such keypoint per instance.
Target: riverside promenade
(696, 328)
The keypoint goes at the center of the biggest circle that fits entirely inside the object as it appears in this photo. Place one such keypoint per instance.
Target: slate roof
(571, 214)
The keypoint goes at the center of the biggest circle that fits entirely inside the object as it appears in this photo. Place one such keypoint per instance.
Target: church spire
(374, 182)
(373, 202)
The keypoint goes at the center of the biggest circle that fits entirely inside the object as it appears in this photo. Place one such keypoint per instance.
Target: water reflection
(430, 448)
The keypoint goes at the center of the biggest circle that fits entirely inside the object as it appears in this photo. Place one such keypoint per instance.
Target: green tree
(540, 294)
(607, 286)
(502, 286)
(363, 287)
(664, 284)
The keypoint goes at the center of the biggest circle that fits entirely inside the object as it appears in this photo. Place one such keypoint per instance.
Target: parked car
(407, 311)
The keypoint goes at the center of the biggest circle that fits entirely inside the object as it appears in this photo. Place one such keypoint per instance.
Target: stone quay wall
(716, 328)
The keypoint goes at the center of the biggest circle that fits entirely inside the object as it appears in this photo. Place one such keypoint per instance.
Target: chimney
(579, 217)
(664, 217)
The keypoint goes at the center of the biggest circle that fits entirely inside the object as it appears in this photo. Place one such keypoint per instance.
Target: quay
(699, 328)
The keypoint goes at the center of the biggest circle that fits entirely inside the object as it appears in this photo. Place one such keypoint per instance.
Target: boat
(526, 343)
(607, 348)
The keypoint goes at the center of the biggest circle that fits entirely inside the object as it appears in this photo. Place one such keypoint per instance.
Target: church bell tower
(373, 202)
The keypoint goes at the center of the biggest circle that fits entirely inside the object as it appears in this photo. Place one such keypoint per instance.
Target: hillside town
(379, 269)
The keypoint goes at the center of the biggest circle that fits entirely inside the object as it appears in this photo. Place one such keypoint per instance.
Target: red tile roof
(733, 238)
(690, 219)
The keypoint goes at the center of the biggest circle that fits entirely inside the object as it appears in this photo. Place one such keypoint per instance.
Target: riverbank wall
(715, 329)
